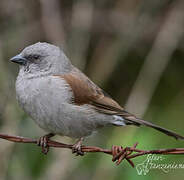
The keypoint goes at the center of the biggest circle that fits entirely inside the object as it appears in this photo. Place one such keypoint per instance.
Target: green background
(133, 49)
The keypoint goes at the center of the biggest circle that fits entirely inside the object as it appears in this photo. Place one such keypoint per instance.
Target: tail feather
(139, 122)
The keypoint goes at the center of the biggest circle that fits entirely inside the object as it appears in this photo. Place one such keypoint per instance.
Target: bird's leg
(77, 147)
(42, 141)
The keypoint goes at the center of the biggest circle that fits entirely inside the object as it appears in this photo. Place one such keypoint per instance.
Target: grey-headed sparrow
(64, 101)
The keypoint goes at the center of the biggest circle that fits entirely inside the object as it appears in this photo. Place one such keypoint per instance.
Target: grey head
(42, 59)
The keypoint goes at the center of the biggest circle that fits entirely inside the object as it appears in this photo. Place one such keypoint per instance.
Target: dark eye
(36, 56)
(33, 57)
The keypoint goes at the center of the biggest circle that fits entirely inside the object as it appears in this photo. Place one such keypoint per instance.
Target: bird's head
(42, 58)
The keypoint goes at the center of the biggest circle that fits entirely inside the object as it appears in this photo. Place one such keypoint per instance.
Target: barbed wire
(118, 153)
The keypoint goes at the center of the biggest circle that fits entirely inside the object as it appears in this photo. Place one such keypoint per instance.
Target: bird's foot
(77, 148)
(43, 143)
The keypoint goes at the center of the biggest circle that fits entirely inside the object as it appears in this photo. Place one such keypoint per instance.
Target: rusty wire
(118, 152)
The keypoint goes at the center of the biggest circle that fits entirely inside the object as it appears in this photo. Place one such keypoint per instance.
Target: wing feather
(86, 92)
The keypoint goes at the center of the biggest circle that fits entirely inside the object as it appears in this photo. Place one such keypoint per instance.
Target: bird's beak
(19, 59)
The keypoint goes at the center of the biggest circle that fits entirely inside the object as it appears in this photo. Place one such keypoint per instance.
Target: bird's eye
(36, 57)
(33, 57)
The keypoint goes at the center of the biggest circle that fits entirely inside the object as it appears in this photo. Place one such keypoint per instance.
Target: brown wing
(86, 92)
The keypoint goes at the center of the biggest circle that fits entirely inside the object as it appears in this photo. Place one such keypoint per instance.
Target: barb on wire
(118, 152)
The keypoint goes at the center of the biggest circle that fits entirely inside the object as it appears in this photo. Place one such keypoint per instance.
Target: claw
(43, 142)
(77, 148)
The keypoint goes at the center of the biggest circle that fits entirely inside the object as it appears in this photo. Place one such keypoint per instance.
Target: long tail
(130, 119)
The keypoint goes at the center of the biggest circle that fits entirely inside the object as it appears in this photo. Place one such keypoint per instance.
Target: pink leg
(77, 147)
(42, 141)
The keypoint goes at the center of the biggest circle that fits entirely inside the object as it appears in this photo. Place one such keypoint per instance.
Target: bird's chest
(42, 99)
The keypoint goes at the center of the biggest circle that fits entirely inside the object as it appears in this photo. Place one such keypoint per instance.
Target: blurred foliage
(133, 49)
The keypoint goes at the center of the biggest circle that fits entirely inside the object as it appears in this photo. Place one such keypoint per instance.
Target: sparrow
(64, 101)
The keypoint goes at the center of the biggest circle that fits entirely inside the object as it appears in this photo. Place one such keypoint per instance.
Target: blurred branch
(157, 60)
(118, 152)
(80, 33)
(52, 21)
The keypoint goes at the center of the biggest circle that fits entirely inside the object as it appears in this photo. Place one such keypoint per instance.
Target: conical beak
(19, 59)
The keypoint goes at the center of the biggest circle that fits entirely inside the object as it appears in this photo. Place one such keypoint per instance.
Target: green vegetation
(133, 49)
